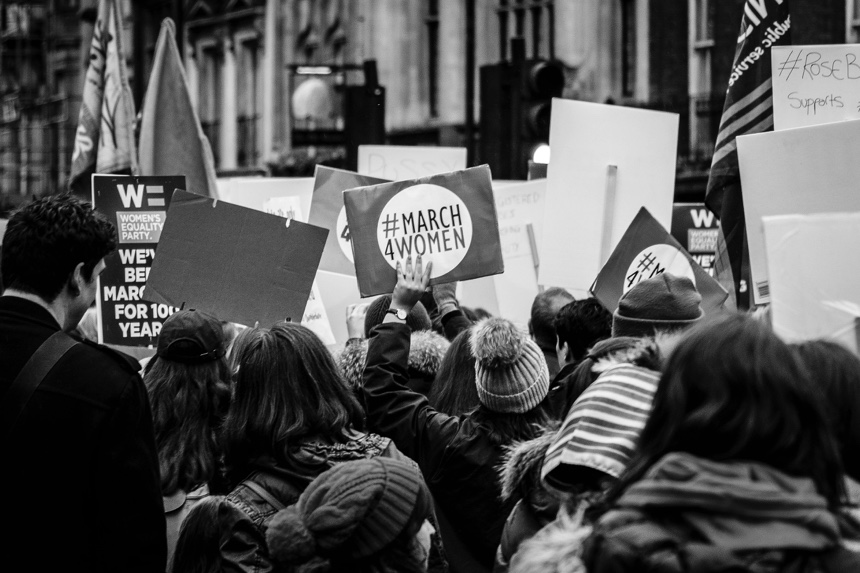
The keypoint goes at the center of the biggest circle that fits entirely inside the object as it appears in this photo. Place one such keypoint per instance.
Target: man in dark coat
(80, 470)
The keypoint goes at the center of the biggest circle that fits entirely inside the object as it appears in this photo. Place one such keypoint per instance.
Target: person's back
(82, 447)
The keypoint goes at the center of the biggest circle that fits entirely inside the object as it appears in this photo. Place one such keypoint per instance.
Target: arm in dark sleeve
(132, 536)
(454, 323)
(394, 410)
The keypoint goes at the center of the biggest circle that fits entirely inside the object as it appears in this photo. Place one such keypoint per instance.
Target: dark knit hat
(510, 371)
(660, 303)
(192, 337)
(417, 319)
(351, 511)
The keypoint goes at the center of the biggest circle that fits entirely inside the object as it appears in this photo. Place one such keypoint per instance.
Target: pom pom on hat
(288, 539)
(510, 370)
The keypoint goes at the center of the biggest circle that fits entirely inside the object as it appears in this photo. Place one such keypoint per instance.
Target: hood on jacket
(520, 465)
(426, 351)
(642, 352)
(736, 505)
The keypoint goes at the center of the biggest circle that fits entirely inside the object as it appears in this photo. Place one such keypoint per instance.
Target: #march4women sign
(449, 219)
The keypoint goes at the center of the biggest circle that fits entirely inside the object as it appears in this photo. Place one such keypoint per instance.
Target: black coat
(80, 470)
(455, 454)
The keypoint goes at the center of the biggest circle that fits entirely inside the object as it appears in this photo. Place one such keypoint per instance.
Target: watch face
(399, 313)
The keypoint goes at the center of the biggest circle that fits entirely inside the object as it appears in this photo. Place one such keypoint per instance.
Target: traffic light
(496, 123)
(539, 81)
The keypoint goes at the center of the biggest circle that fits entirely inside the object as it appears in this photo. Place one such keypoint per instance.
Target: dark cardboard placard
(138, 207)
(239, 264)
(450, 219)
(328, 212)
(696, 228)
(646, 250)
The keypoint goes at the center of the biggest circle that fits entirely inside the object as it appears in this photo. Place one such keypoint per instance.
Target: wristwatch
(398, 312)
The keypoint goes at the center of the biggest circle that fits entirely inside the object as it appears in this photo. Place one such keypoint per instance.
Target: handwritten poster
(815, 84)
(398, 162)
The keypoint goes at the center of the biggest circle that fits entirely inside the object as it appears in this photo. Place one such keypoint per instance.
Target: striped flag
(104, 140)
(748, 109)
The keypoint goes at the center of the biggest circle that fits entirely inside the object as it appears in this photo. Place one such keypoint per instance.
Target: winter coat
(693, 515)
(455, 454)
(269, 486)
(535, 505)
(82, 449)
(426, 351)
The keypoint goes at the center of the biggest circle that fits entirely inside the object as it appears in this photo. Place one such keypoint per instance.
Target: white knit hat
(510, 371)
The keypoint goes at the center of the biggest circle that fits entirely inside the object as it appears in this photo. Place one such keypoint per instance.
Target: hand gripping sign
(645, 251)
(328, 211)
(448, 219)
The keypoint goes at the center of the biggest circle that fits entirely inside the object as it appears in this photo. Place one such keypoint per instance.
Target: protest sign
(814, 287)
(796, 171)
(316, 317)
(138, 207)
(480, 293)
(338, 292)
(237, 263)
(520, 212)
(645, 251)
(275, 195)
(608, 161)
(328, 211)
(696, 228)
(449, 219)
(815, 84)
(399, 162)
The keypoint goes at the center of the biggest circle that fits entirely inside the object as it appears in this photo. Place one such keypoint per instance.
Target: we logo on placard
(134, 195)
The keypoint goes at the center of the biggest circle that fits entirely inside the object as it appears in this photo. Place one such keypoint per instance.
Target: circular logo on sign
(655, 260)
(426, 220)
(343, 237)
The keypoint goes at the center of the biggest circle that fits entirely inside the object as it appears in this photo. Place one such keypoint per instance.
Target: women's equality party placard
(449, 219)
(328, 211)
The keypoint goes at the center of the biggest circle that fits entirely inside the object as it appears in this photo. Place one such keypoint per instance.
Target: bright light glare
(541, 154)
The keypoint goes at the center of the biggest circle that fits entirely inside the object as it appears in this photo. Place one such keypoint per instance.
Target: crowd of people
(438, 439)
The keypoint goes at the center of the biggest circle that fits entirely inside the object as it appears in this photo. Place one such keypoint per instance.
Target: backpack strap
(31, 376)
(261, 491)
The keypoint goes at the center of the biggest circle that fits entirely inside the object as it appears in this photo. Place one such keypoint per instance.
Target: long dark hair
(836, 370)
(454, 391)
(286, 387)
(504, 428)
(189, 403)
(732, 390)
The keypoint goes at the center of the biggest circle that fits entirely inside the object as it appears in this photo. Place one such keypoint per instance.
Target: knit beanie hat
(417, 319)
(510, 371)
(662, 302)
(350, 511)
(602, 427)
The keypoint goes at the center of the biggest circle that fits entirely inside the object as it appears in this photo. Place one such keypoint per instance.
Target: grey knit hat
(510, 371)
(664, 302)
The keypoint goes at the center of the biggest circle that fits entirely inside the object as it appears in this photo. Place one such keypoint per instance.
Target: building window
(532, 20)
(210, 97)
(704, 21)
(628, 48)
(854, 20)
(433, 55)
(248, 103)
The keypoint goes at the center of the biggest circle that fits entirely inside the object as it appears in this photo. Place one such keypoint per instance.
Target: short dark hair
(544, 308)
(286, 387)
(733, 391)
(46, 239)
(581, 324)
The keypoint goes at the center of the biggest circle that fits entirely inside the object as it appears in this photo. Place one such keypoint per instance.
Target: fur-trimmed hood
(520, 466)
(426, 351)
(642, 352)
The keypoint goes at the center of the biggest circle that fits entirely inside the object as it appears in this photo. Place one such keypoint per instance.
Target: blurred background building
(271, 78)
